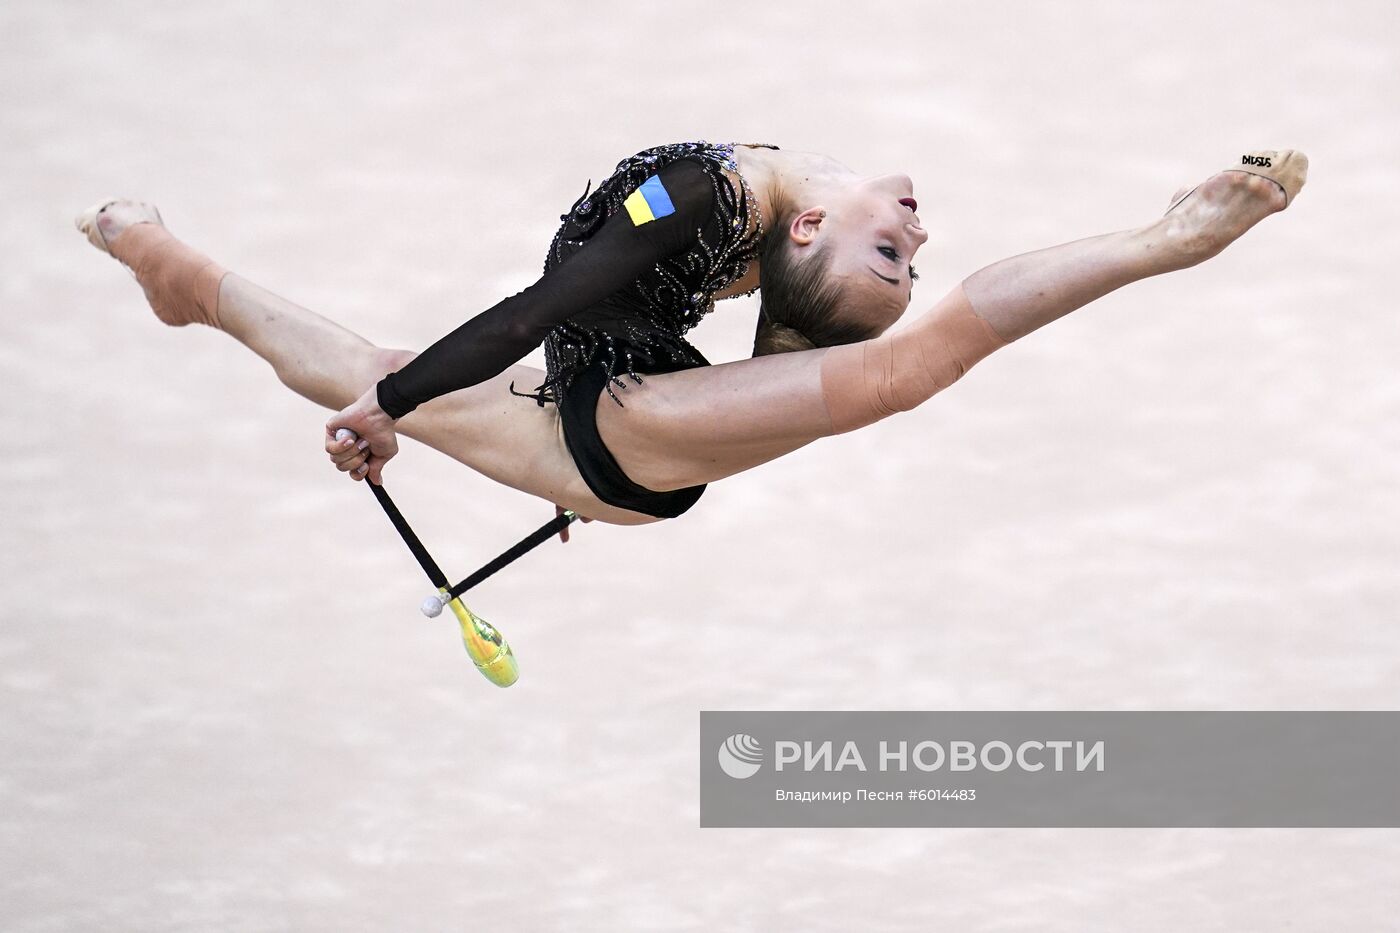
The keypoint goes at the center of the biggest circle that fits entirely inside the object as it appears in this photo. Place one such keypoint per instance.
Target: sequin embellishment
(643, 326)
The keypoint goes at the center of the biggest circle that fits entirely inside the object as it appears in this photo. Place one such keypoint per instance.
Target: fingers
(334, 446)
(338, 428)
(357, 470)
(348, 454)
(358, 447)
(564, 532)
(343, 443)
(347, 450)
(367, 463)
(347, 457)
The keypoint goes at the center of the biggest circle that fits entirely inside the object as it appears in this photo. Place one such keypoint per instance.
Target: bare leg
(511, 440)
(1022, 294)
(312, 355)
(696, 426)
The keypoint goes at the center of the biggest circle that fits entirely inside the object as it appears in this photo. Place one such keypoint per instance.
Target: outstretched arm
(670, 209)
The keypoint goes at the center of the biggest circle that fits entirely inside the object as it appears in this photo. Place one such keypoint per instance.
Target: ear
(806, 224)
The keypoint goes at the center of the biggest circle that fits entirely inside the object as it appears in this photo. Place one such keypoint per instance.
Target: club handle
(484, 643)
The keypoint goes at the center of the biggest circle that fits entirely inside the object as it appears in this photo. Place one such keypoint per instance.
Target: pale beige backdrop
(219, 707)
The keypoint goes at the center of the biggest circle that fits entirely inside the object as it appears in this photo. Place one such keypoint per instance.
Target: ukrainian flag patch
(649, 202)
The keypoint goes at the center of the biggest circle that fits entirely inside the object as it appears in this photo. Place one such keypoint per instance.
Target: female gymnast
(630, 421)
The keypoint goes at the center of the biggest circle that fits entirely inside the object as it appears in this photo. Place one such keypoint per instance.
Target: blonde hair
(799, 302)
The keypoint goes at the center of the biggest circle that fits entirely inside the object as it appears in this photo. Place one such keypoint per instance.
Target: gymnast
(629, 422)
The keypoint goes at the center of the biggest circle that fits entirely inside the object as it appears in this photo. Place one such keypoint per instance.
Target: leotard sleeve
(662, 217)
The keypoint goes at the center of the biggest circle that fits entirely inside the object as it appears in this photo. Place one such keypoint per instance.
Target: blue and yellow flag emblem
(648, 202)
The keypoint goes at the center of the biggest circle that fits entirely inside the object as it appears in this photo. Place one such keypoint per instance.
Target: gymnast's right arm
(680, 198)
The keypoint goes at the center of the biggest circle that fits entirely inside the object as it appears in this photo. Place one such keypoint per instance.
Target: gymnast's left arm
(679, 201)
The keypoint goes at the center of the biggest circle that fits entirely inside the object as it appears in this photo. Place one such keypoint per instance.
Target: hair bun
(779, 338)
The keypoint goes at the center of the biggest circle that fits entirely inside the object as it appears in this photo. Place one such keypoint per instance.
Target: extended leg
(508, 439)
(699, 425)
(312, 355)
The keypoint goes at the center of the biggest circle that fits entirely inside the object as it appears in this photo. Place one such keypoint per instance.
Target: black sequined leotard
(634, 266)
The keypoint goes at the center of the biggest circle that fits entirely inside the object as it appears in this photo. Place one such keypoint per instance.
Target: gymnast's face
(871, 233)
